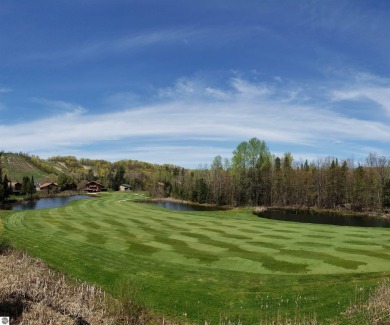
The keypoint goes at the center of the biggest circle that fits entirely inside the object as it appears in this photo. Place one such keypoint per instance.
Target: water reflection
(325, 218)
(177, 206)
(46, 203)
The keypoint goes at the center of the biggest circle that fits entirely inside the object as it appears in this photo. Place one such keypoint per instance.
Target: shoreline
(337, 212)
(174, 200)
(258, 209)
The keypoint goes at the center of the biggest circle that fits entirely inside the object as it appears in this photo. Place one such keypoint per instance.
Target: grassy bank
(32, 293)
(214, 266)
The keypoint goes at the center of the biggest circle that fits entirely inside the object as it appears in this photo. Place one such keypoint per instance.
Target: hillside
(16, 166)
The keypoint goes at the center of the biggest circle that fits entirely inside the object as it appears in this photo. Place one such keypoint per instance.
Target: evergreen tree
(25, 185)
(287, 179)
(342, 184)
(358, 190)
(1, 181)
(7, 190)
(119, 178)
(331, 187)
(201, 191)
(277, 182)
(31, 189)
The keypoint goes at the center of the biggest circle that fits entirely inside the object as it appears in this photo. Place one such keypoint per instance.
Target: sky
(182, 81)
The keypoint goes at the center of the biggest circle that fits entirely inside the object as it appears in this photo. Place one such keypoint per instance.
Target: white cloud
(366, 87)
(186, 117)
(58, 105)
(248, 89)
(183, 88)
(217, 93)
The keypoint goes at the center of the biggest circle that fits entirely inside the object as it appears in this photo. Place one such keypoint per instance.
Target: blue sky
(183, 81)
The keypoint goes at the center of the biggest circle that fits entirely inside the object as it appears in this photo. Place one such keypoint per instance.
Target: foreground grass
(371, 309)
(31, 293)
(214, 266)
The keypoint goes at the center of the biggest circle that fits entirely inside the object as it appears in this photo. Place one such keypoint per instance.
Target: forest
(253, 176)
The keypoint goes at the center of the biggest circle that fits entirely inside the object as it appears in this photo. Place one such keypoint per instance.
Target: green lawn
(207, 265)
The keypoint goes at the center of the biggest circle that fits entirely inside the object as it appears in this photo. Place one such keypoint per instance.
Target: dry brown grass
(379, 304)
(374, 310)
(31, 293)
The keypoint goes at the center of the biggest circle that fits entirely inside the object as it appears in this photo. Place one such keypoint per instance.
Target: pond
(45, 203)
(177, 206)
(325, 218)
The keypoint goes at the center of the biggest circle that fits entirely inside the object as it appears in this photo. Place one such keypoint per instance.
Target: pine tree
(359, 189)
(25, 185)
(31, 187)
(1, 182)
(7, 190)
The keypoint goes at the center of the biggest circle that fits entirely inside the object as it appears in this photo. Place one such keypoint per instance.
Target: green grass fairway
(207, 265)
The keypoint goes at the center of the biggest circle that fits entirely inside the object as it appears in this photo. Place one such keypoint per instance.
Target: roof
(125, 185)
(48, 184)
(93, 182)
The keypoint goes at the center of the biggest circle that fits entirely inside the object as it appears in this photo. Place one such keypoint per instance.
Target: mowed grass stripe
(135, 227)
(217, 258)
(152, 225)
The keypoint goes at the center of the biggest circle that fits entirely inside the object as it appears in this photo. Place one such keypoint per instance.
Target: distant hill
(136, 173)
(16, 166)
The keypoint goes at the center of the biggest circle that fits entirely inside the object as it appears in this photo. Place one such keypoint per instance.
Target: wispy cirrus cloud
(365, 87)
(100, 48)
(169, 129)
(380, 95)
(134, 43)
(59, 106)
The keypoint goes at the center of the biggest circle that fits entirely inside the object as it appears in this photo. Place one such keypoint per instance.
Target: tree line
(256, 177)
(253, 176)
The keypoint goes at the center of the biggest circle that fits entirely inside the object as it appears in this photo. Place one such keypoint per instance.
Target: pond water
(182, 206)
(46, 203)
(325, 218)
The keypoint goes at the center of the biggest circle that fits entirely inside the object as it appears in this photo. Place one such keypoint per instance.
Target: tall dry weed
(371, 309)
(31, 293)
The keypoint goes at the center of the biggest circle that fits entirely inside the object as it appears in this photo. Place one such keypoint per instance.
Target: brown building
(15, 187)
(49, 188)
(93, 187)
